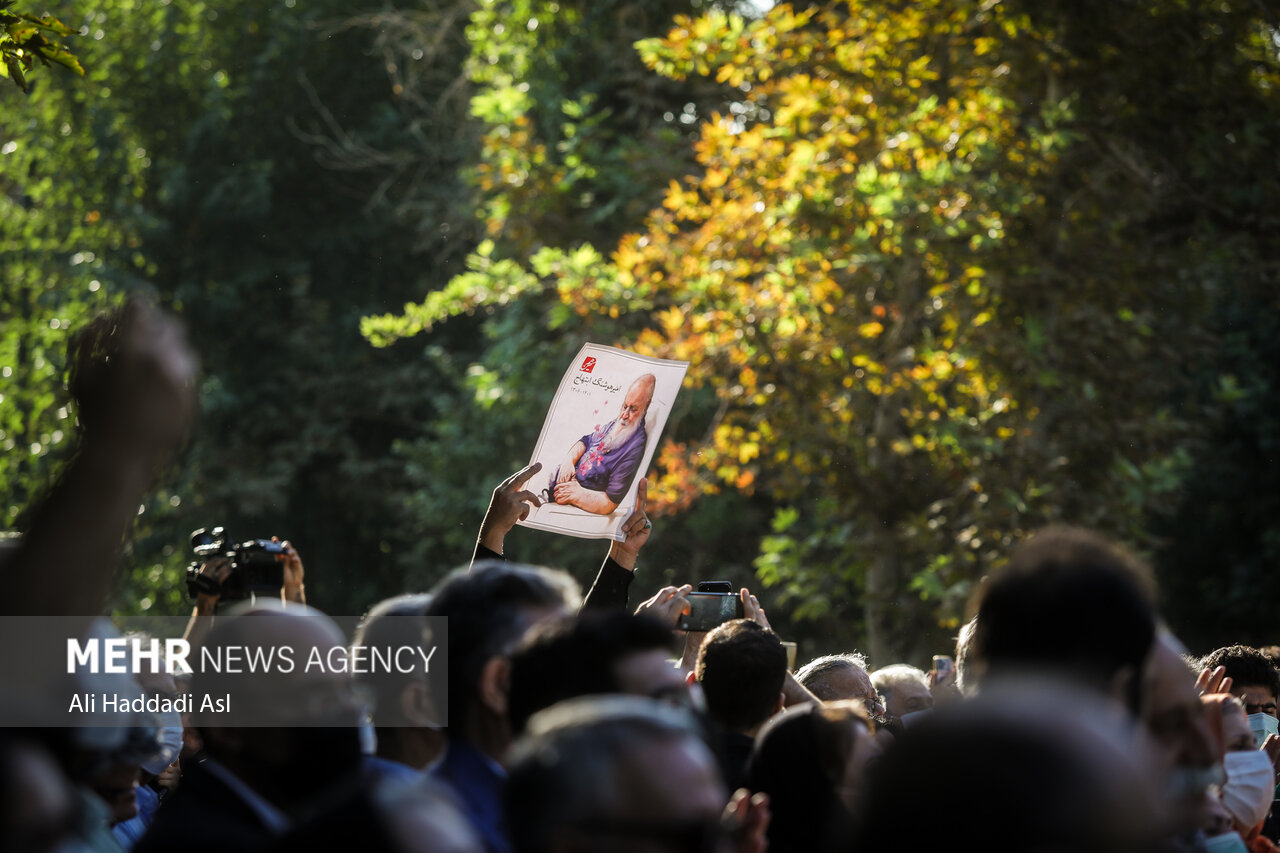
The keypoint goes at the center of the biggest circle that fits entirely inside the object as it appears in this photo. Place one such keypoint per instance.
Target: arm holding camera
(292, 590)
(212, 573)
(208, 583)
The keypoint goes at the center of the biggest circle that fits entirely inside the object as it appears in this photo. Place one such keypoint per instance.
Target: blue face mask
(1227, 842)
(1263, 725)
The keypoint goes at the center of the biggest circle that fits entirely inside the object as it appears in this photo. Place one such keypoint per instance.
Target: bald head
(636, 404)
(278, 665)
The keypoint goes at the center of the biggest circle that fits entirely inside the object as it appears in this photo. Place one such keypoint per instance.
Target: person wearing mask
(1248, 789)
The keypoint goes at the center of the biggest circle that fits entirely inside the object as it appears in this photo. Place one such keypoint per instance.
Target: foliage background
(946, 271)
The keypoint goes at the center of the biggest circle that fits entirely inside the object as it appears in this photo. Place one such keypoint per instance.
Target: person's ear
(416, 706)
(495, 682)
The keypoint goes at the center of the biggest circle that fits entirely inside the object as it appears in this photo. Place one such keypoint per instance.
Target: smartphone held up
(713, 604)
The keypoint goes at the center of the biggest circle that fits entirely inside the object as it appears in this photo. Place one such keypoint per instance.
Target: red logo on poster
(588, 364)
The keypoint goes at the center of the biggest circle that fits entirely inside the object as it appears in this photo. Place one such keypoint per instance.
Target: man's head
(405, 712)
(592, 653)
(741, 668)
(835, 677)
(617, 773)
(904, 689)
(811, 761)
(1174, 717)
(290, 732)
(1034, 767)
(37, 805)
(489, 609)
(636, 404)
(1071, 605)
(1254, 679)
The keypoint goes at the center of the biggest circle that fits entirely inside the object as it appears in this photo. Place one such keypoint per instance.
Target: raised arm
(510, 503)
(133, 378)
(618, 571)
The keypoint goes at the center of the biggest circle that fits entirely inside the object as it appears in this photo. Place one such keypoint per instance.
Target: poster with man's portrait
(599, 438)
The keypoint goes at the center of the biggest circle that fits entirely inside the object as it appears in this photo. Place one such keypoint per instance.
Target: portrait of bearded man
(597, 472)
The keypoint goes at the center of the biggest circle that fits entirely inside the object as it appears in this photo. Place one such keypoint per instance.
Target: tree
(198, 147)
(578, 140)
(24, 40)
(925, 268)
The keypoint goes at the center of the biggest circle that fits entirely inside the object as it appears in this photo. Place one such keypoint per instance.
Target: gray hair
(886, 679)
(393, 622)
(564, 770)
(816, 674)
(964, 643)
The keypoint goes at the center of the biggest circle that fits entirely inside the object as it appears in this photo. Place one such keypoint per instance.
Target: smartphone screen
(709, 609)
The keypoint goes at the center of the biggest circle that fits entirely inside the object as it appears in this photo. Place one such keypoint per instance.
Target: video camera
(255, 565)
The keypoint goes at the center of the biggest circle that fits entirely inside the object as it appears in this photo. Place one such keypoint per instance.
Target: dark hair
(487, 608)
(741, 668)
(1061, 770)
(575, 656)
(1071, 602)
(799, 760)
(1246, 667)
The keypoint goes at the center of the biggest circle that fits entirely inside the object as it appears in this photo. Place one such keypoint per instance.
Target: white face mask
(1249, 788)
(1227, 842)
(1263, 725)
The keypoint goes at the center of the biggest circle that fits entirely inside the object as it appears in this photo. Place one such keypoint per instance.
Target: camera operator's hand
(293, 588)
(637, 528)
(510, 503)
(219, 569)
(667, 604)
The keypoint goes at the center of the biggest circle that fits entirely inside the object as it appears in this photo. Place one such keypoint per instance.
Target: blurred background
(945, 271)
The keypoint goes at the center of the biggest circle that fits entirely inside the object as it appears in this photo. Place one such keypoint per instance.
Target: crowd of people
(1068, 718)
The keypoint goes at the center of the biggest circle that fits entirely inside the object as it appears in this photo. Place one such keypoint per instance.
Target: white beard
(618, 435)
